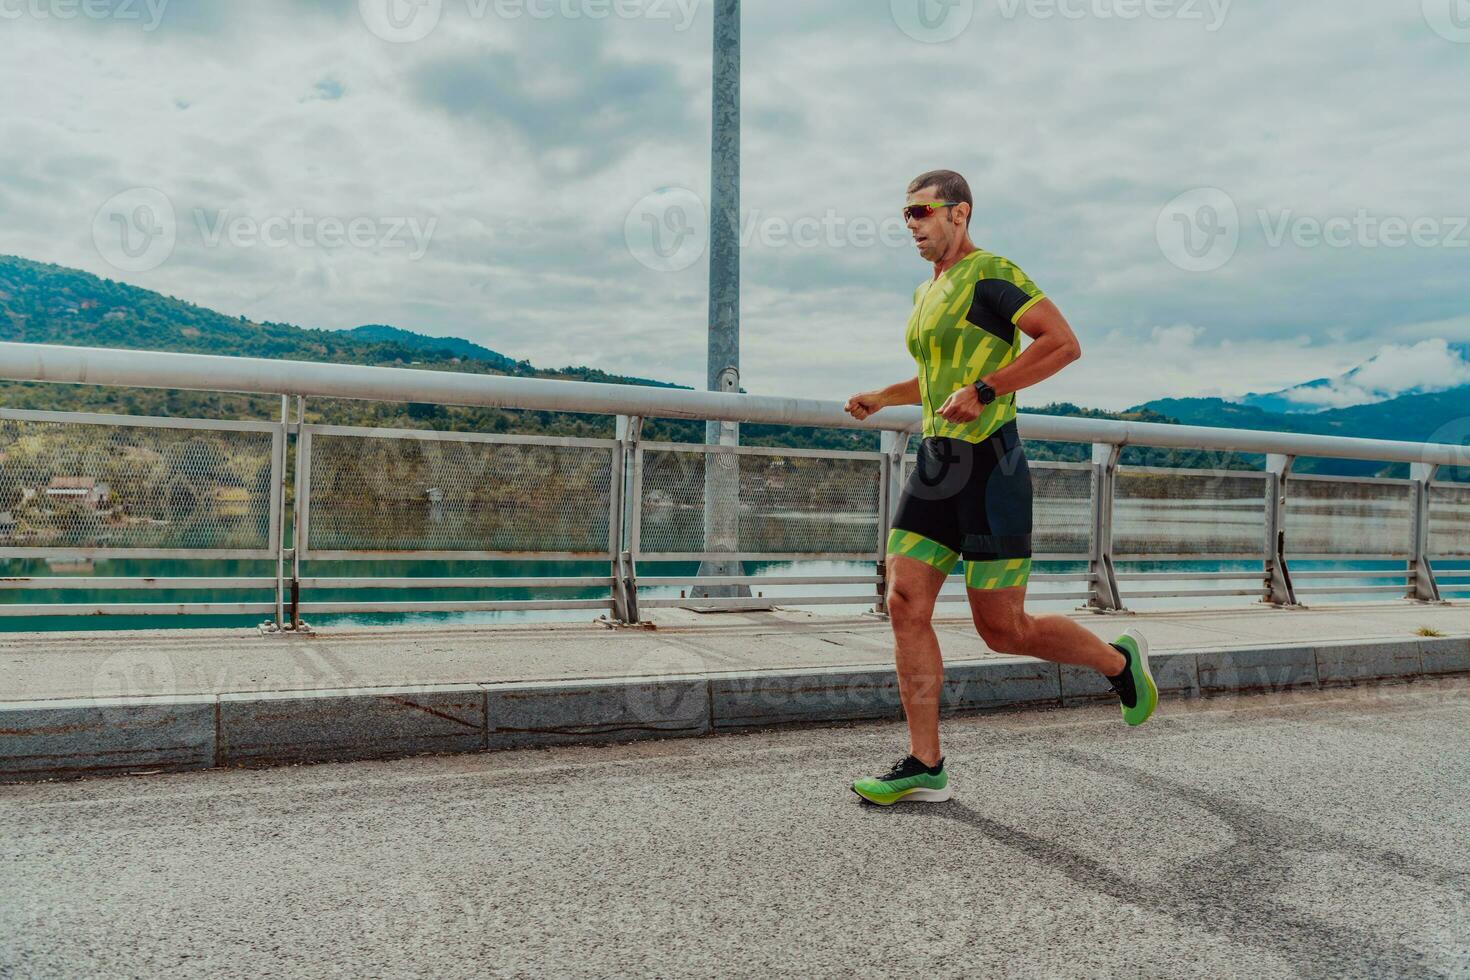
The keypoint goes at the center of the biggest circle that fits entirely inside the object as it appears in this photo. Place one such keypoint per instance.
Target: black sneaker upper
(910, 766)
(1123, 683)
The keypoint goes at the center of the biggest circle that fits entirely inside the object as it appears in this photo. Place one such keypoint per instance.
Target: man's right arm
(865, 404)
(903, 393)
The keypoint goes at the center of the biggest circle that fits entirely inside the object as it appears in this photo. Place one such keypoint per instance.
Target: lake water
(428, 570)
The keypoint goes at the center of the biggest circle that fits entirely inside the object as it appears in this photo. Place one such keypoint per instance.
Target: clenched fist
(862, 405)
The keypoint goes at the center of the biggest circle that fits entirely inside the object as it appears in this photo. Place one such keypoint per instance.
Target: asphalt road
(1319, 834)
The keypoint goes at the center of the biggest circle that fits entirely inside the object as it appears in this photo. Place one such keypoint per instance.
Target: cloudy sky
(1223, 197)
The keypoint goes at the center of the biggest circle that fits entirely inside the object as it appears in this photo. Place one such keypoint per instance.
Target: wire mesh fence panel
(1061, 508)
(135, 488)
(1330, 516)
(1179, 512)
(433, 493)
(796, 504)
(1449, 521)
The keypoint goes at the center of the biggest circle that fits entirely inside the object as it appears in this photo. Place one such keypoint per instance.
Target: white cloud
(1395, 370)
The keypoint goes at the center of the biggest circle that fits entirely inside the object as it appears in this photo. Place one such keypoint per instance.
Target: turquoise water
(428, 570)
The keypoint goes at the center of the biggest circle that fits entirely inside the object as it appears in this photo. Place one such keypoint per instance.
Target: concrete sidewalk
(89, 703)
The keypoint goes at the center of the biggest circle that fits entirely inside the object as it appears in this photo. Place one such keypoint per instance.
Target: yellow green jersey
(963, 328)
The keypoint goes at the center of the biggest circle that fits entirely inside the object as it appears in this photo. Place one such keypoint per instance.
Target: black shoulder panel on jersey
(994, 305)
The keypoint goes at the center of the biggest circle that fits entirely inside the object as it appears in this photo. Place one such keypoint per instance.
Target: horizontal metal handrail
(157, 583)
(212, 372)
(632, 403)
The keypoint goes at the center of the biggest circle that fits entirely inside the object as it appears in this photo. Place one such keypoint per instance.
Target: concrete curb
(71, 739)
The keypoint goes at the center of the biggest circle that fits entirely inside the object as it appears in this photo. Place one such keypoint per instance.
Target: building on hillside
(86, 490)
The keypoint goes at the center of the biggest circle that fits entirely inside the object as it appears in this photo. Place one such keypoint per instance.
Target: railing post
(893, 445)
(1103, 595)
(627, 493)
(1279, 590)
(298, 508)
(1422, 584)
(278, 491)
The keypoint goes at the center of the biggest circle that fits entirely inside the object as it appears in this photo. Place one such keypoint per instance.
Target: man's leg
(913, 586)
(1002, 621)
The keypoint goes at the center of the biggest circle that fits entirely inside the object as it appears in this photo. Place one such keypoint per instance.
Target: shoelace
(897, 772)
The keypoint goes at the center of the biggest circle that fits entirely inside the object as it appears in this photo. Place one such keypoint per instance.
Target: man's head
(945, 228)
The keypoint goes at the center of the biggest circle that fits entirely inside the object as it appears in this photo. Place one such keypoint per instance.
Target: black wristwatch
(986, 393)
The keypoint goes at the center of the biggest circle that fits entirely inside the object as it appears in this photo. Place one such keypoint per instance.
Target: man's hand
(962, 406)
(862, 405)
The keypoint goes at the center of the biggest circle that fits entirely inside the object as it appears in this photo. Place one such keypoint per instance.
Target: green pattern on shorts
(1004, 573)
(926, 550)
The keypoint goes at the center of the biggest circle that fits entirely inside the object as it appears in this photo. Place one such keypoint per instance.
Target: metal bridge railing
(88, 485)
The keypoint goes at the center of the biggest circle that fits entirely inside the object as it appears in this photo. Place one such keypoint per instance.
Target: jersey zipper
(923, 348)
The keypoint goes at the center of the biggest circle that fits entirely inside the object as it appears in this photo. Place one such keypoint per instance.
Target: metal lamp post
(722, 470)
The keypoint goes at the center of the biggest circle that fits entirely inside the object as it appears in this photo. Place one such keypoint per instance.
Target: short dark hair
(951, 186)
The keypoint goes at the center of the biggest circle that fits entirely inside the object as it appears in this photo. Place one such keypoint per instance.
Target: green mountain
(458, 347)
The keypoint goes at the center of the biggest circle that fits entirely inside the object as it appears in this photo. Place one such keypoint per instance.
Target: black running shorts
(971, 499)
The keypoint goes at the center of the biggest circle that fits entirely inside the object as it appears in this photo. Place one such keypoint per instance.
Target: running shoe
(1135, 685)
(909, 779)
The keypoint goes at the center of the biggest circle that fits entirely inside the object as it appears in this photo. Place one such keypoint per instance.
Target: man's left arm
(1053, 346)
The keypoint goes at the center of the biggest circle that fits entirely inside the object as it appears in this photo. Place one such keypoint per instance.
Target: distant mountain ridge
(1433, 417)
(1427, 367)
(470, 351)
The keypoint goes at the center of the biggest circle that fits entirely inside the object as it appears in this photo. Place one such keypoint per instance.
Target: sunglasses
(919, 212)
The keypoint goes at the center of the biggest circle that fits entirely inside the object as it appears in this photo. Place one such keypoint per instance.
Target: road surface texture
(1316, 834)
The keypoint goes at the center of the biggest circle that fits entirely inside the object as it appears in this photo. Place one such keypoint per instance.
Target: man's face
(935, 234)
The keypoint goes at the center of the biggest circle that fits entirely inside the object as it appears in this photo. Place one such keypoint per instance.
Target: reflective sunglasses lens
(918, 212)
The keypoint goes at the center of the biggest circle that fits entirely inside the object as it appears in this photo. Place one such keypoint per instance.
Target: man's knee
(1011, 636)
(906, 610)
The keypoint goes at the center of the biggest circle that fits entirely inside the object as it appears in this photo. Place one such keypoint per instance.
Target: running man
(970, 492)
